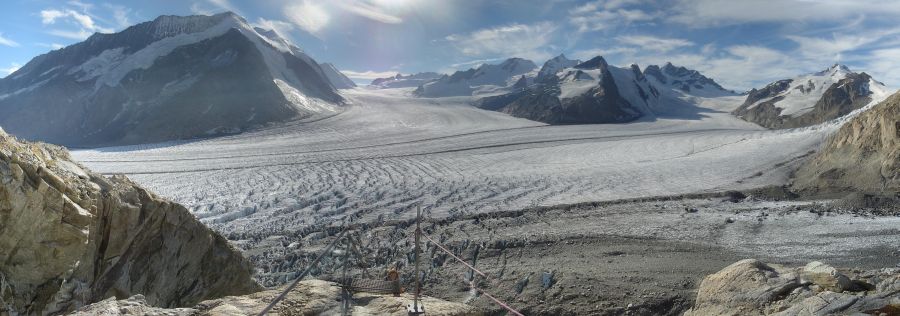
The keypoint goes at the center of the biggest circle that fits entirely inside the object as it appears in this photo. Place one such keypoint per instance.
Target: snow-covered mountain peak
(812, 98)
(594, 63)
(556, 64)
(485, 77)
(686, 80)
(515, 65)
(171, 25)
(836, 70)
(113, 81)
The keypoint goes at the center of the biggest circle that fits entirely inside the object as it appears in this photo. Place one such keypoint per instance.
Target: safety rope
(473, 269)
(305, 272)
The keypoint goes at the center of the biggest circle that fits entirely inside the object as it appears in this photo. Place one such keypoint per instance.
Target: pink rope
(472, 284)
(436, 244)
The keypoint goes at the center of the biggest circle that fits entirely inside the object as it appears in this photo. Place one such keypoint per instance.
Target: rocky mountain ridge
(686, 80)
(810, 99)
(405, 81)
(465, 83)
(588, 93)
(175, 77)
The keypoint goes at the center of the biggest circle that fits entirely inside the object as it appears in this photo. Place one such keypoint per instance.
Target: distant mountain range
(568, 91)
(462, 83)
(565, 91)
(171, 78)
(197, 76)
(405, 81)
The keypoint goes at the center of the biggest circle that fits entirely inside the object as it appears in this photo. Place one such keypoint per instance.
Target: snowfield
(389, 151)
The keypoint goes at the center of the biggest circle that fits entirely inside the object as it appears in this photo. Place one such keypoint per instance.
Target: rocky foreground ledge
(70, 237)
(311, 297)
(750, 287)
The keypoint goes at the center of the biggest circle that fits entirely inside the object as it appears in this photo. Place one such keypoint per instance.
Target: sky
(740, 44)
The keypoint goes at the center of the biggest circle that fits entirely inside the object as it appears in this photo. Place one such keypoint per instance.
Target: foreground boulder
(311, 297)
(750, 287)
(70, 237)
(863, 156)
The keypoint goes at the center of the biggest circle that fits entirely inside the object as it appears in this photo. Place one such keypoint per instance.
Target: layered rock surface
(863, 156)
(311, 297)
(70, 237)
(751, 287)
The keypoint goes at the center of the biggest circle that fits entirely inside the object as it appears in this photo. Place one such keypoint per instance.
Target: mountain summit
(175, 77)
(811, 99)
(686, 80)
(466, 82)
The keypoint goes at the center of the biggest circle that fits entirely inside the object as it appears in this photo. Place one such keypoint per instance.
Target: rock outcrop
(70, 237)
(310, 297)
(863, 156)
(750, 287)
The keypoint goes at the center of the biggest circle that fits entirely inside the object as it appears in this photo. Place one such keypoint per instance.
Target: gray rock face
(863, 156)
(69, 237)
(603, 101)
(170, 78)
(750, 287)
(686, 80)
(809, 100)
(337, 79)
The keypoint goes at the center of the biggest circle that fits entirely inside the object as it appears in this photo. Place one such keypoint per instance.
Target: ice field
(388, 151)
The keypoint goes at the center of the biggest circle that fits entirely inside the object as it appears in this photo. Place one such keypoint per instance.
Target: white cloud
(81, 34)
(120, 15)
(515, 40)
(371, 12)
(280, 27)
(603, 5)
(7, 42)
(210, 7)
(368, 75)
(308, 16)
(586, 54)
(51, 45)
(82, 24)
(653, 43)
(705, 13)
(11, 69)
(477, 62)
(881, 64)
(607, 14)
